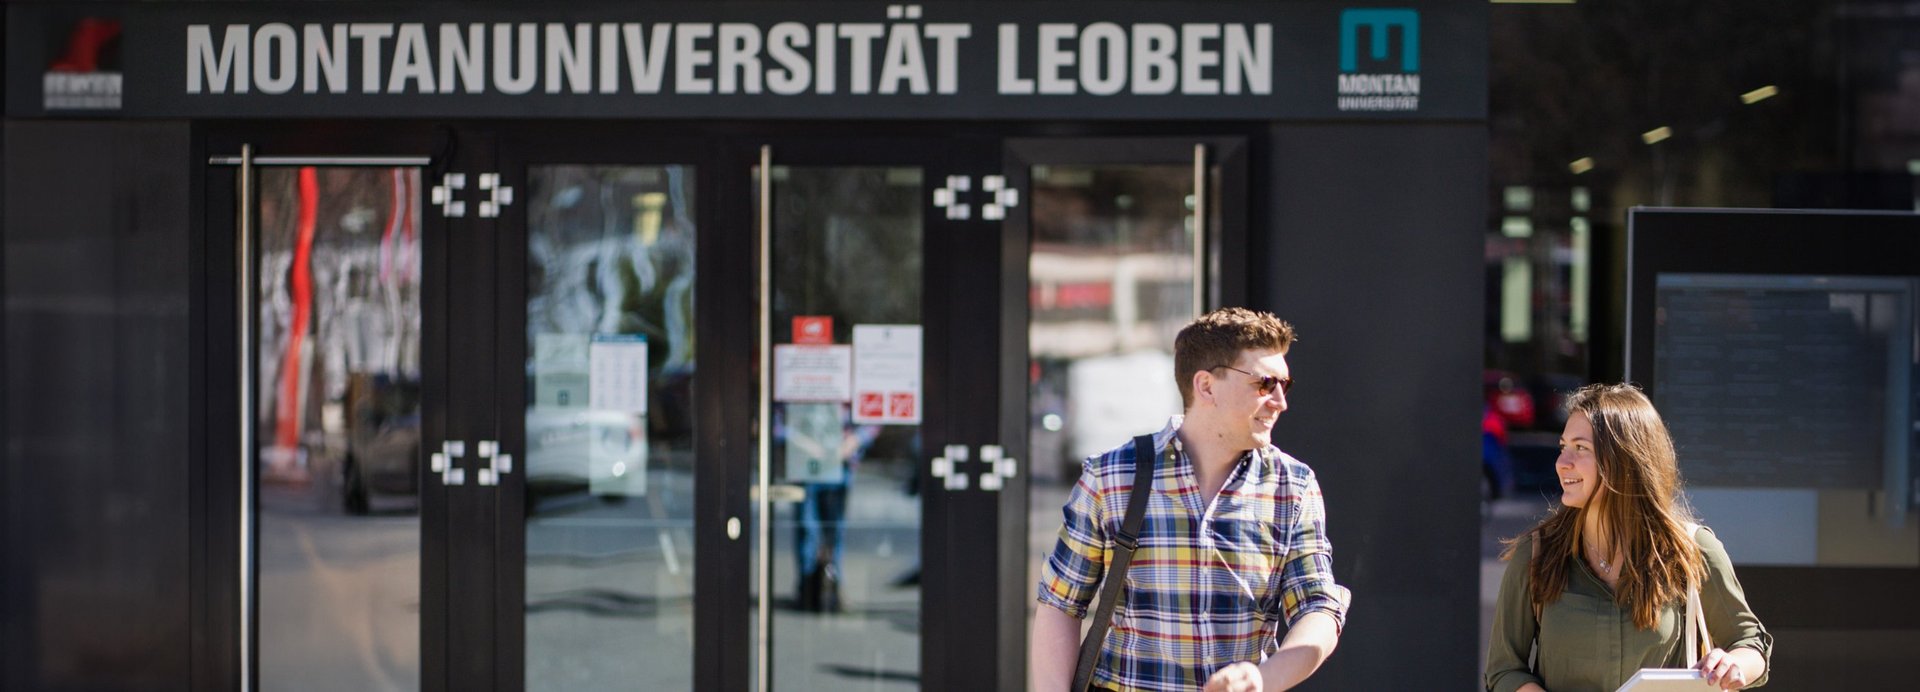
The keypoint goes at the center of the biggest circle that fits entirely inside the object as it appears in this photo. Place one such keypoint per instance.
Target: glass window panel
(609, 467)
(338, 388)
(1791, 399)
(1111, 279)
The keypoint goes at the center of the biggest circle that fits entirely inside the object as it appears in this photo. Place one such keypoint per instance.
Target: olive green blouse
(1587, 642)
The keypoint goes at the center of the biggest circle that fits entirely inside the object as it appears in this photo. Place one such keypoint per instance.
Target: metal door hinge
(499, 196)
(498, 463)
(999, 468)
(949, 198)
(1000, 198)
(947, 467)
(444, 193)
(443, 462)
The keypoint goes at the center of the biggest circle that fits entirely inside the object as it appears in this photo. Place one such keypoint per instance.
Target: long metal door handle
(1200, 212)
(763, 429)
(244, 298)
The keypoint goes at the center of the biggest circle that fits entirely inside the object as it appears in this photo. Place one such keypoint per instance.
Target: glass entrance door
(837, 550)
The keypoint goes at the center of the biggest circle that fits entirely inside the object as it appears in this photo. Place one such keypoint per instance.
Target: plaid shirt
(1196, 599)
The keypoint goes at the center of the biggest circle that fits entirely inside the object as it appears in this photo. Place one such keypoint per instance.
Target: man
(1233, 542)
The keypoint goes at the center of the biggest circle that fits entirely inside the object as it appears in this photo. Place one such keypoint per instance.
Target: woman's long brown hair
(1639, 505)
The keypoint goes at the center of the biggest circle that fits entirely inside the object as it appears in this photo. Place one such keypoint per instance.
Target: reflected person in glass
(1202, 608)
(1611, 568)
(821, 446)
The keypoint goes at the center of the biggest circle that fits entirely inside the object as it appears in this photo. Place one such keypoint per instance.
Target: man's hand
(1239, 677)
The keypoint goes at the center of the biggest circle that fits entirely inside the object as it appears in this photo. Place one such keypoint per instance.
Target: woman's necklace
(1605, 566)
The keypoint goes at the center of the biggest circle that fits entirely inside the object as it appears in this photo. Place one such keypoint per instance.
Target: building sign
(1246, 60)
(1371, 90)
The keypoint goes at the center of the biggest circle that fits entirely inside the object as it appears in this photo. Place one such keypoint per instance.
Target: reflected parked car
(576, 450)
(383, 440)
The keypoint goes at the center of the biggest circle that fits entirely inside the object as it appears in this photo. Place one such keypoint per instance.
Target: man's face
(1248, 411)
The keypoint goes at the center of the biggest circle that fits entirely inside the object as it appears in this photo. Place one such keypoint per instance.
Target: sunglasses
(1267, 383)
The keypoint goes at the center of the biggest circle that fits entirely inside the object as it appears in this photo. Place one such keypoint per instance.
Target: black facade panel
(1374, 251)
(97, 585)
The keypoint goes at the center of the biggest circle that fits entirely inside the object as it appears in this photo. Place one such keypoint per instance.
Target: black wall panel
(1373, 251)
(96, 580)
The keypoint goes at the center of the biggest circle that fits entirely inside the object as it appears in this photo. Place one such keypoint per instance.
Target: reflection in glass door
(842, 551)
(337, 386)
(609, 462)
(1112, 278)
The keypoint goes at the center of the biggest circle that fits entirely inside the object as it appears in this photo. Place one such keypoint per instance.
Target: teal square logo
(1379, 23)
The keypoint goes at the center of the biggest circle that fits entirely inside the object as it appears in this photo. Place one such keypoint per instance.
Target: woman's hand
(1731, 670)
(1239, 677)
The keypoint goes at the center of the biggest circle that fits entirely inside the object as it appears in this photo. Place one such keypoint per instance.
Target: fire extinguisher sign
(886, 374)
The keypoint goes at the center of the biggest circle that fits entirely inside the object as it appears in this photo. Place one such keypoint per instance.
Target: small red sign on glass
(813, 329)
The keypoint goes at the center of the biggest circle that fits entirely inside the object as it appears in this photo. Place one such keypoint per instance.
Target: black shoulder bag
(1144, 456)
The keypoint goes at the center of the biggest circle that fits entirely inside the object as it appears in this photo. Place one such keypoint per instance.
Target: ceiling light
(1656, 135)
(1757, 95)
(1581, 165)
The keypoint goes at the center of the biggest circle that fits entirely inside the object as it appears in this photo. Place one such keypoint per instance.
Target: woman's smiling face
(1577, 467)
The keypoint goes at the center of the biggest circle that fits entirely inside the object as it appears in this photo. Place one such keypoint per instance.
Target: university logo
(1375, 89)
(86, 75)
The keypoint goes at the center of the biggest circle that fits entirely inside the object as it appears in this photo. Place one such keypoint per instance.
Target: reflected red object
(300, 284)
(813, 329)
(1506, 395)
(1071, 296)
(396, 243)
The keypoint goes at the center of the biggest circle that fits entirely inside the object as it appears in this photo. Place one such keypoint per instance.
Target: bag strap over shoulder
(1699, 641)
(1124, 544)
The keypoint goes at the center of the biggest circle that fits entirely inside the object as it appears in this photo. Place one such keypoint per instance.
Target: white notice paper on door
(617, 366)
(807, 372)
(886, 374)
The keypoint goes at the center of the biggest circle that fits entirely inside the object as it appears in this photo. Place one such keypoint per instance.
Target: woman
(1601, 584)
